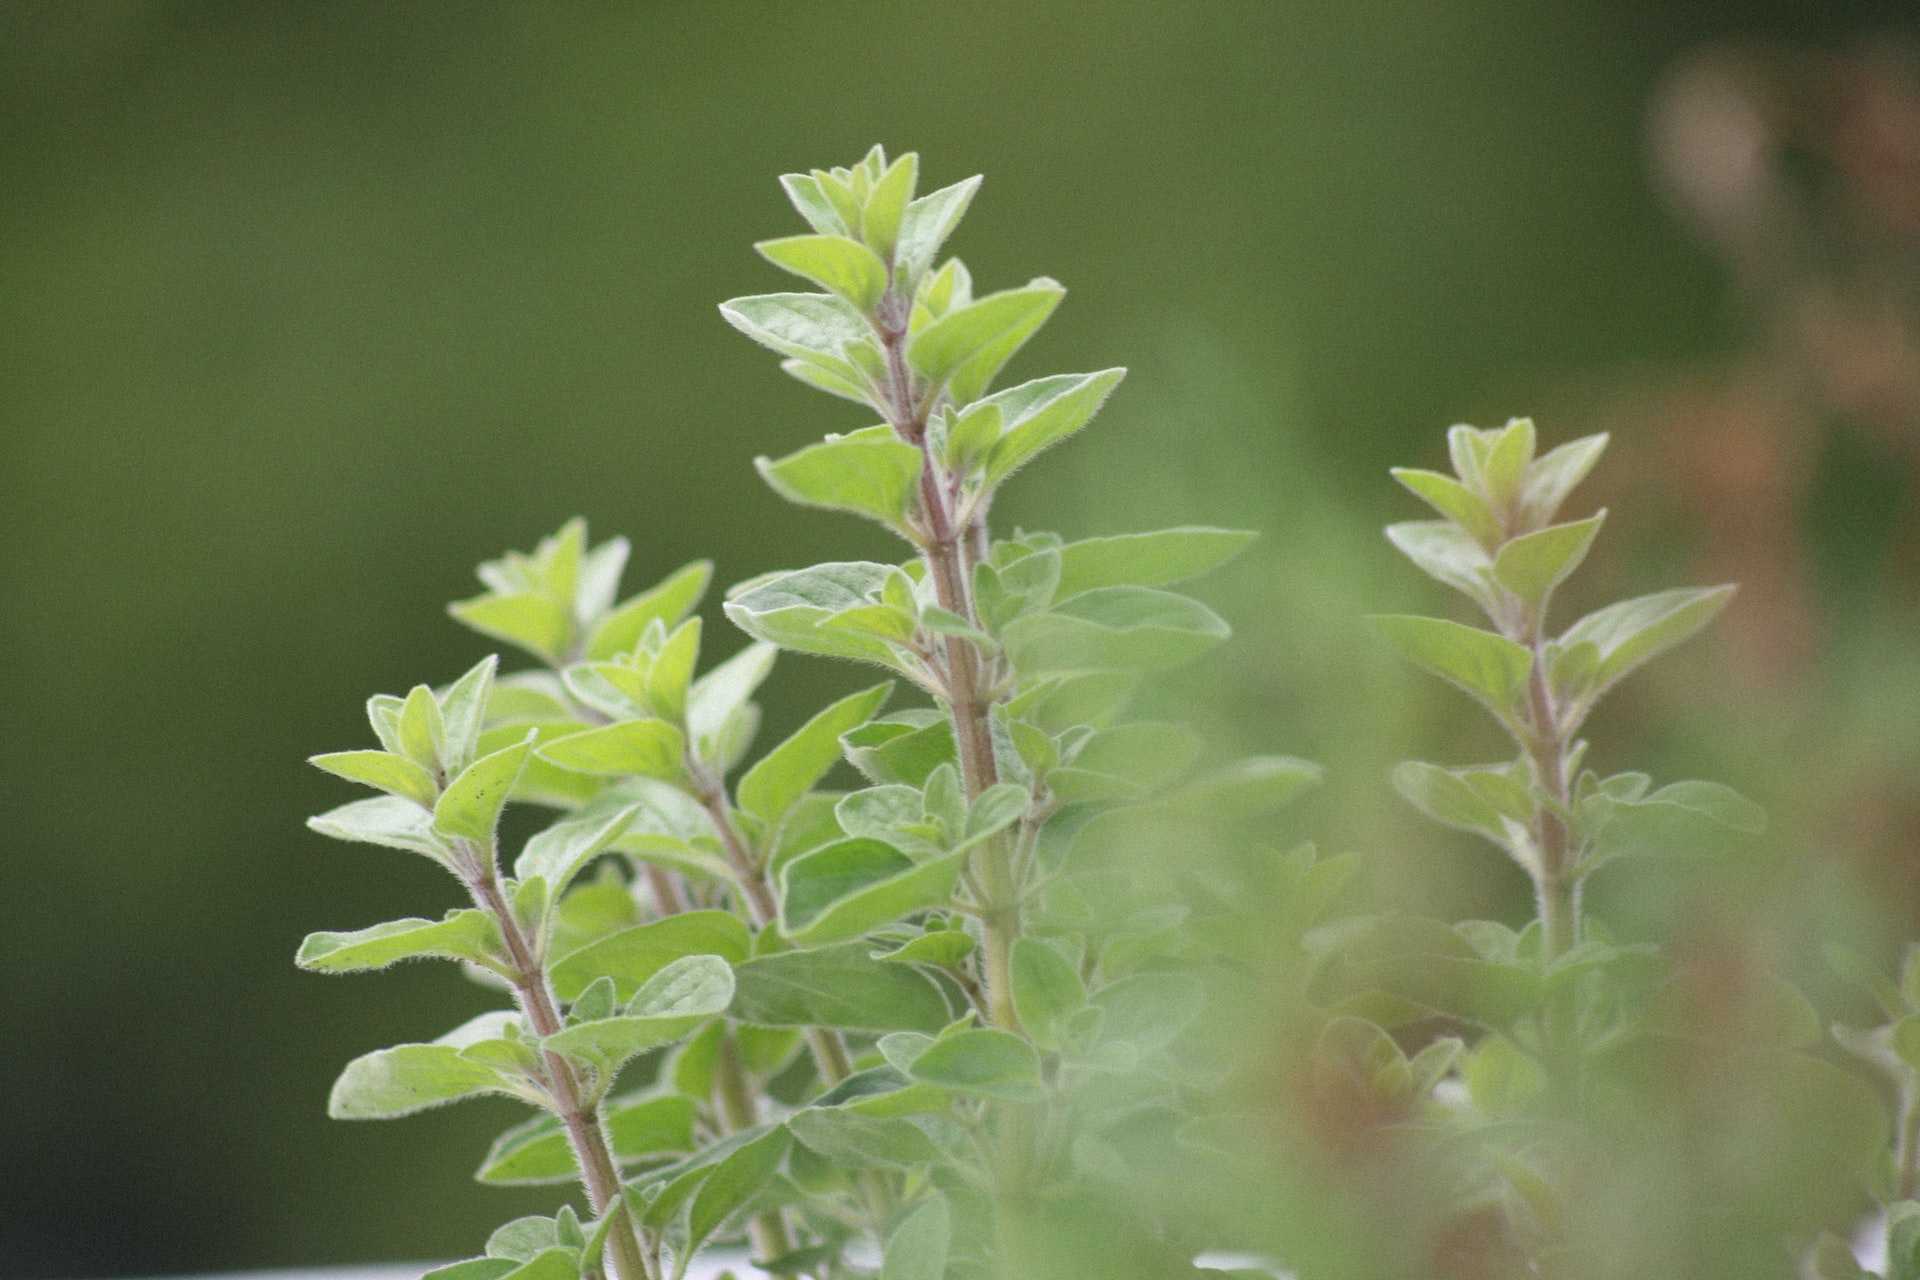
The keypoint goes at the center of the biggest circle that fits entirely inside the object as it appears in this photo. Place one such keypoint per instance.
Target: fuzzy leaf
(806, 326)
(852, 887)
(835, 263)
(856, 1141)
(1553, 477)
(1114, 629)
(1532, 565)
(965, 347)
(633, 956)
(1038, 415)
(468, 934)
(917, 1249)
(1448, 554)
(836, 987)
(470, 806)
(984, 1062)
(527, 620)
(788, 609)
(1633, 631)
(926, 225)
(1046, 991)
(668, 1005)
(394, 774)
(668, 603)
(733, 1183)
(644, 748)
(558, 853)
(1146, 559)
(384, 820)
(787, 772)
(409, 1078)
(1456, 502)
(871, 473)
(1490, 667)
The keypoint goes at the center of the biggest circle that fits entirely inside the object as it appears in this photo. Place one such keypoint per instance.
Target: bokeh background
(305, 309)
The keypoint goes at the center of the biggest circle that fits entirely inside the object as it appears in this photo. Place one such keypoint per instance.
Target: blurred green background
(307, 308)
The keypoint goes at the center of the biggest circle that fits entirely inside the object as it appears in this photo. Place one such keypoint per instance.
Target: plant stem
(948, 551)
(1558, 889)
(579, 1110)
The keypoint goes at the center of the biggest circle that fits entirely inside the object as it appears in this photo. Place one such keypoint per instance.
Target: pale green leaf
(1046, 991)
(917, 1249)
(835, 263)
(1532, 565)
(463, 712)
(558, 853)
(967, 345)
(837, 987)
(1490, 667)
(1633, 631)
(802, 325)
(384, 820)
(409, 1078)
(391, 773)
(788, 609)
(851, 887)
(1448, 554)
(985, 1062)
(667, 1006)
(470, 806)
(527, 620)
(668, 603)
(1041, 413)
(633, 956)
(852, 1140)
(646, 748)
(1456, 502)
(1553, 477)
(733, 1183)
(784, 774)
(467, 934)
(927, 224)
(1146, 559)
(1113, 629)
(871, 473)
(887, 205)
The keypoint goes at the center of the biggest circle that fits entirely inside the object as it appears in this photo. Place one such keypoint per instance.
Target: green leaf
(1490, 667)
(965, 347)
(814, 205)
(1114, 629)
(668, 1005)
(1146, 559)
(1713, 800)
(985, 1062)
(1903, 1241)
(917, 1249)
(1248, 788)
(645, 748)
(927, 224)
(1551, 478)
(414, 1077)
(1448, 554)
(1046, 991)
(943, 947)
(852, 887)
(1633, 631)
(538, 1151)
(473, 1269)
(1482, 801)
(671, 675)
(1502, 1080)
(903, 748)
(466, 934)
(667, 603)
(887, 205)
(1456, 502)
(733, 1183)
(384, 820)
(527, 620)
(1038, 415)
(470, 806)
(1504, 464)
(633, 956)
(870, 473)
(463, 712)
(1149, 1011)
(784, 774)
(855, 1141)
(807, 326)
(1532, 565)
(423, 732)
(560, 852)
(789, 610)
(391, 773)
(836, 987)
(718, 716)
(835, 263)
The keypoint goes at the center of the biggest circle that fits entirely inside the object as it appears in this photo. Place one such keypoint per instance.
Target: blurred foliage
(295, 300)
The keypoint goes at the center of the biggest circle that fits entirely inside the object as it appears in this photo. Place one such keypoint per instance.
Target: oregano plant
(853, 1026)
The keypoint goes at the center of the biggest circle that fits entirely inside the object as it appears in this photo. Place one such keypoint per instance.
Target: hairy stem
(1555, 882)
(579, 1110)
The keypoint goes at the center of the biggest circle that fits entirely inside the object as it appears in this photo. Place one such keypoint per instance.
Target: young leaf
(633, 956)
(423, 731)
(1469, 799)
(646, 748)
(1553, 477)
(471, 804)
(985, 1062)
(917, 1249)
(1490, 667)
(814, 205)
(558, 853)
(887, 205)
(927, 224)
(835, 263)
(1449, 555)
(667, 603)
(719, 698)
(788, 609)
(1710, 799)
(391, 773)
(870, 473)
(1146, 559)
(668, 1005)
(1456, 502)
(966, 347)
(852, 887)
(671, 674)
(527, 620)
(733, 1183)
(409, 1078)
(838, 986)
(1041, 413)
(1633, 631)
(1113, 629)
(808, 326)
(463, 712)
(384, 820)
(786, 773)
(1046, 991)
(1532, 565)
(468, 934)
